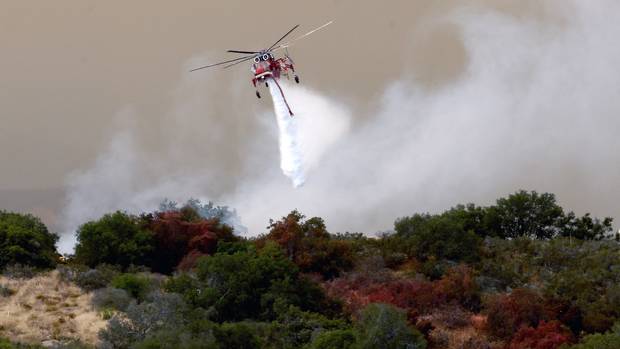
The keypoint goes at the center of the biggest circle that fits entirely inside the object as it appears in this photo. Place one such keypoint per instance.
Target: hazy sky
(77, 75)
(68, 66)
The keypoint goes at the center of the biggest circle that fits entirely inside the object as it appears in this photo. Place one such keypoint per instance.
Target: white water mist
(291, 159)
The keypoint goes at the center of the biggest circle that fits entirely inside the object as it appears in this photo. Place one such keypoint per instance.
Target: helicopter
(265, 65)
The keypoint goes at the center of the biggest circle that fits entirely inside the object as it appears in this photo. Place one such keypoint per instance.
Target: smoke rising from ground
(537, 107)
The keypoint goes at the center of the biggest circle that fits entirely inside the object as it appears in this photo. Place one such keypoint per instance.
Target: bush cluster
(162, 241)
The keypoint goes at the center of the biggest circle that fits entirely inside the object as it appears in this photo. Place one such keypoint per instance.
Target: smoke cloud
(536, 107)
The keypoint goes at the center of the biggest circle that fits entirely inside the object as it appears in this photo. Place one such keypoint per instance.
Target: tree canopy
(25, 240)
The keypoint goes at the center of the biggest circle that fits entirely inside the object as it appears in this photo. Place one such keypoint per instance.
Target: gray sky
(76, 73)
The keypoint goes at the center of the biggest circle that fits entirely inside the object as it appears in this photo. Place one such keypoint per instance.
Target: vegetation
(522, 273)
(25, 240)
(116, 239)
(137, 286)
(247, 284)
(607, 340)
(382, 326)
(308, 244)
(162, 241)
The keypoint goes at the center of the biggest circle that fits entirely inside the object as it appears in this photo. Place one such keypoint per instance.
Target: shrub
(19, 271)
(439, 236)
(435, 269)
(582, 280)
(137, 286)
(384, 326)
(158, 311)
(453, 317)
(308, 244)
(476, 342)
(573, 275)
(25, 240)
(336, 339)
(246, 285)
(295, 327)
(204, 334)
(416, 296)
(459, 285)
(237, 335)
(112, 298)
(177, 338)
(507, 313)
(182, 236)
(439, 338)
(117, 239)
(609, 340)
(548, 335)
(91, 279)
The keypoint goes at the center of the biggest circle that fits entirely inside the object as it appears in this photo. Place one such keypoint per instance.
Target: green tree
(441, 236)
(382, 326)
(586, 227)
(471, 217)
(526, 214)
(116, 239)
(25, 240)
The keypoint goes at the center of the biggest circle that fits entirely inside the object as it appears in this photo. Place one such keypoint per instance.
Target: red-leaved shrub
(548, 335)
(509, 312)
(415, 296)
(308, 244)
(180, 241)
(458, 286)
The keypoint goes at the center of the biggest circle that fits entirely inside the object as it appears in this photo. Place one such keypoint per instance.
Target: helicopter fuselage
(266, 65)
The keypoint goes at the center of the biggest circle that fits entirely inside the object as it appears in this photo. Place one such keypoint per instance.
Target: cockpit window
(263, 57)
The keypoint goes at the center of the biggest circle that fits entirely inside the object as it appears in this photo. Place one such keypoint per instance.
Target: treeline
(522, 273)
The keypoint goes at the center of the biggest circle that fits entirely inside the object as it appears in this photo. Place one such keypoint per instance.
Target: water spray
(291, 159)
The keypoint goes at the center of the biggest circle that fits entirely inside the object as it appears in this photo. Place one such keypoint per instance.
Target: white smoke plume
(536, 107)
(291, 160)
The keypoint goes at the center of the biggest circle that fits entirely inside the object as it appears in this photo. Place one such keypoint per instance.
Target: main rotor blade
(282, 38)
(246, 52)
(302, 36)
(241, 61)
(225, 62)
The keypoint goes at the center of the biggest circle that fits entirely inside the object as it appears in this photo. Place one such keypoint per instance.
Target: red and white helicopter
(265, 65)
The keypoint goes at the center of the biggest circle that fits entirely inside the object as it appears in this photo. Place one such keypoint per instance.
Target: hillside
(45, 308)
(522, 273)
